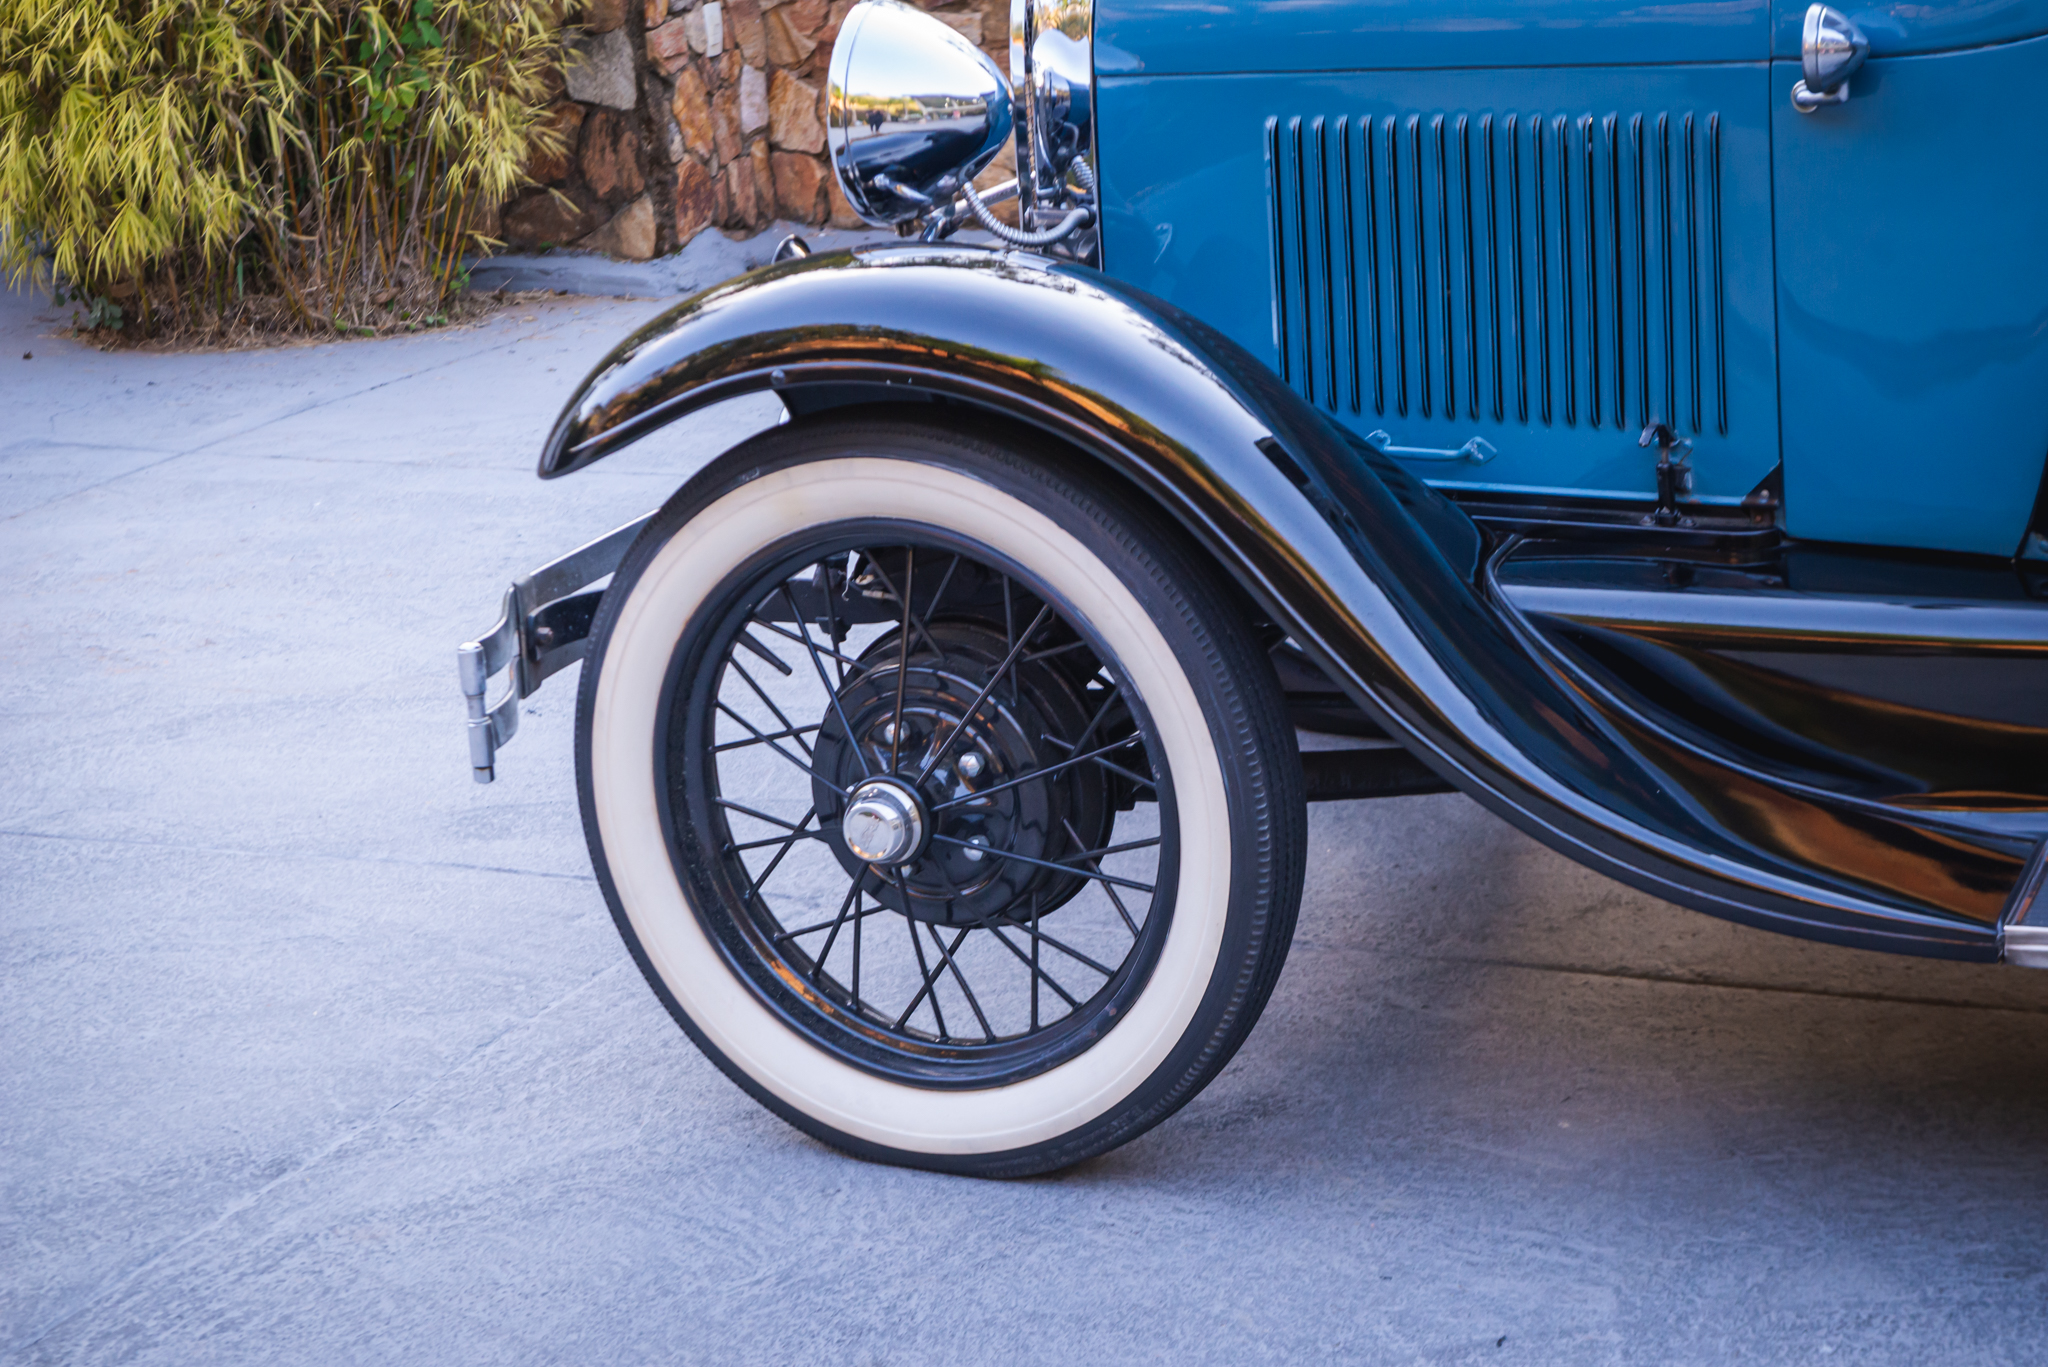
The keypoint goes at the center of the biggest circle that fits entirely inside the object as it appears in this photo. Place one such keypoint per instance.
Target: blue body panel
(1181, 37)
(1898, 27)
(1862, 292)
(1482, 283)
(1913, 301)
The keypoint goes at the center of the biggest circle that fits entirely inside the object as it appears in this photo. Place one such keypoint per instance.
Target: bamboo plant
(318, 164)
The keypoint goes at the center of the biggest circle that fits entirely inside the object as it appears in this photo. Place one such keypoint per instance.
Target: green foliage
(199, 163)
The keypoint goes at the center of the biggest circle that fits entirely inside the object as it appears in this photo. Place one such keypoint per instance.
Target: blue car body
(1633, 418)
(1479, 271)
(1548, 224)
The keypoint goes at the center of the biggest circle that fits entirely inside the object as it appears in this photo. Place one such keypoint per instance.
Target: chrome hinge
(543, 628)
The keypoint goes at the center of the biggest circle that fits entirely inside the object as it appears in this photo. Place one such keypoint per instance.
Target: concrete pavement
(317, 1052)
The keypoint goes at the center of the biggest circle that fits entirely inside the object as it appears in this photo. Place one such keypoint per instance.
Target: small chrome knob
(884, 823)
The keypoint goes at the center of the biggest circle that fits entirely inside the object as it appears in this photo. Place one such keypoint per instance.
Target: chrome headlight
(1052, 62)
(917, 111)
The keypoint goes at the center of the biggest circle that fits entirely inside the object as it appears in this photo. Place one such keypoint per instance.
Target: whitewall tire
(946, 801)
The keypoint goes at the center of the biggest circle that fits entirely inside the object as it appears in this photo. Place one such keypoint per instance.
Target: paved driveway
(316, 1052)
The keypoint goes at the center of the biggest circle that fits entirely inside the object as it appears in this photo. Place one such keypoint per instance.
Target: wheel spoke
(1094, 857)
(754, 885)
(1002, 853)
(1009, 637)
(785, 936)
(1036, 970)
(902, 667)
(912, 620)
(775, 662)
(830, 692)
(851, 903)
(1030, 961)
(1107, 850)
(1066, 949)
(1051, 651)
(1143, 780)
(1088, 731)
(939, 594)
(796, 731)
(946, 954)
(930, 977)
(1046, 771)
(789, 727)
(816, 777)
(730, 805)
(776, 840)
(787, 634)
(973, 708)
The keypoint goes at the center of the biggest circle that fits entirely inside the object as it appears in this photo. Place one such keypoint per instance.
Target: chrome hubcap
(884, 824)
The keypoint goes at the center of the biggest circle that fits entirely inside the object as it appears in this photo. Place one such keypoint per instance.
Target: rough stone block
(611, 155)
(543, 217)
(799, 186)
(727, 139)
(753, 100)
(764, 181)
(691, 106)
(842, 214)
(805, 16)
(743, 30)
(629, 235)
(602, 16)
(829, 32)
(566, 121)
(786, 46)
(599, 70)
(697, 202)
(671, 132)
(793, 121)
(694, 32)
(668, 46)
(747, 206)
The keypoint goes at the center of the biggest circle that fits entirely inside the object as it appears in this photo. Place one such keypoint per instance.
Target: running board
(1381, 771)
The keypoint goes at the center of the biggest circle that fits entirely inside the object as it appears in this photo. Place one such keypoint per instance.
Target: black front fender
(1368, 569)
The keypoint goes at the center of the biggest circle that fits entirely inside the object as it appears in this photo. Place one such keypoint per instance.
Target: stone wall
(678, 115)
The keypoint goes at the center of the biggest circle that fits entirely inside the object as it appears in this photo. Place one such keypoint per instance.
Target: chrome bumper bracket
(543, 628)
(2023, 929)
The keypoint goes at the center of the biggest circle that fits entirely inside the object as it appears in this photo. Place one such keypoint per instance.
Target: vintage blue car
(1633, 417)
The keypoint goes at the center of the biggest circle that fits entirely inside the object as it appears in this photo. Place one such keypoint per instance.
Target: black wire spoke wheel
(931, 802)
(947, 802)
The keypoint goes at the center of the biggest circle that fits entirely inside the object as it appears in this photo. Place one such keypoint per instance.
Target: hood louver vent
(1524, 268)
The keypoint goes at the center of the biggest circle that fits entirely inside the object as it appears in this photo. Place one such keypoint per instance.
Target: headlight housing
(917, 111)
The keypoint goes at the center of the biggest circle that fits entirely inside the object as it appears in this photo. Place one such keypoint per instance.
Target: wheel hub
(884, 824)
(943, 806)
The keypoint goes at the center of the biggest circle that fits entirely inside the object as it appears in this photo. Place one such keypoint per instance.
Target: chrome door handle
(1831, 48)
(1478, 450)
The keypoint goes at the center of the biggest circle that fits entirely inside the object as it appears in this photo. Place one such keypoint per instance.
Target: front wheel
(948, 804)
